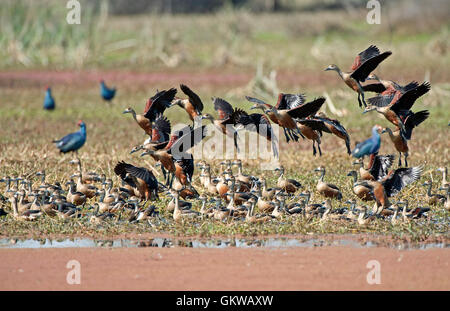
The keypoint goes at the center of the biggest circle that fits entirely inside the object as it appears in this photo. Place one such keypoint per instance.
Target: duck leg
(318, 146)
(286, 135)
(293, 135)
(361, 94)
(314, 149)
(300, 132)
(406, 159)
(399, 159)
(163, 170)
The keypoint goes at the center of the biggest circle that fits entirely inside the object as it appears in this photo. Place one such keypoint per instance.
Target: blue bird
(369, 146)
(49, 102)
(107, 93)
(73, 141)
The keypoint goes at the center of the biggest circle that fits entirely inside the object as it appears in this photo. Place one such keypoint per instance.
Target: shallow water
(205, 243)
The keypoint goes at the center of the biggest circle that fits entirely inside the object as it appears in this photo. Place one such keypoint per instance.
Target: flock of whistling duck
(231, 194)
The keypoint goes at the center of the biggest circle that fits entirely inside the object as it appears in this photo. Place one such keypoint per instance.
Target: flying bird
(362, 66)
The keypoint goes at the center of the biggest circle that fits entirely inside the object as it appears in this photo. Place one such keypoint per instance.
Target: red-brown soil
(323, 268)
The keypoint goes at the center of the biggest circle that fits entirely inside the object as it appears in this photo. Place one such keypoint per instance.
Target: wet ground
(164, 242)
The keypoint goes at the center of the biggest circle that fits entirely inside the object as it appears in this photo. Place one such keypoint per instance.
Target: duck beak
(383, 131)
(135, 149)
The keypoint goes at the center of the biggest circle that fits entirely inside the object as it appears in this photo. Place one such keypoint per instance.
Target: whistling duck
(22, 202)
(238, 197)
(160, 136)
(106, 92)
(146, 214)
(87, 189)
(370, 145)
(108, 186)
(102, 206)
(326, 189)
(42, 174)
(180, 142)
(203, 210)
(386, 87)
(329, 214)
(443, 170)
(400, 139)
(351, 210)
(225, 121)
(74, 141)
(138, 178)
(414, 213)
(433, 198)
(209, 181)
(227, 172)
(258, 123)
(287, 111)
(75, 197)
(391, 185)
(396, 109)
(363, 65)
(158, 103)
(285, 101)
(141, 120)
(400, 144)
(287, 185)
(277, 212)
(362, 192)
(97, 218)
(222, 186)
(308, 207)
(264, 205)
(378, 166)
(184, 205)
(267, 193)
(193, 105)
(362, 219)
(311, 134)
(220, 212)
(245, 179)
(322, 123)
(89, 178)
(49, 101)
(447, 200)
(178, 213)
(24, 214)
(202, 178)
(9, 192)
(251, 218)
(394, 219)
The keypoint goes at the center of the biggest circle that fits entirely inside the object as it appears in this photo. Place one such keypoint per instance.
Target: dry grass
(27, 132)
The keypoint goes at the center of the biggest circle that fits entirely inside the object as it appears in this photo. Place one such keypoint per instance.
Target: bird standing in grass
(107, 93)
(49, 101)
(73, 141)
